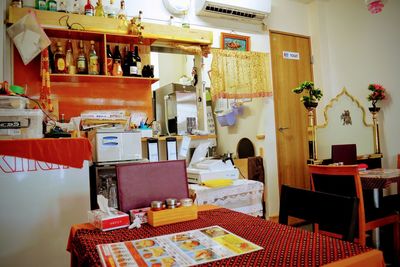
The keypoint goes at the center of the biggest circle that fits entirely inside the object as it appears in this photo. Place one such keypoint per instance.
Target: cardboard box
(105, 222)
(168, 216)
(21, 123)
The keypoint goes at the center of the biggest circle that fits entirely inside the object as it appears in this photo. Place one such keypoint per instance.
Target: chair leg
(396, 242)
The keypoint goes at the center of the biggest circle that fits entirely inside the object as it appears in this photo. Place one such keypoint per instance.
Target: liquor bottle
(52, 5)
(132, 67)
(76, 7)
(40, 4)
(138, 62)
(51, 60)
(62, 6)
(69, 56)
(99, 12)
(89, 9)
(59, 60)
(81, 63)
(110, 10)
(117, 69)
(122, 12)
(109, 60)
(93, 60)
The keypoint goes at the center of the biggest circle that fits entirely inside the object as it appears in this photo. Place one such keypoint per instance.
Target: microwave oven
(112, 146)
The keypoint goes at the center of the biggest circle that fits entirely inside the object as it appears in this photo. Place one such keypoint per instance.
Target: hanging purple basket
(227, 119)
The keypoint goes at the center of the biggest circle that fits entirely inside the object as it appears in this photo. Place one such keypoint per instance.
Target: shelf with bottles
(99, 42)
(86, 78)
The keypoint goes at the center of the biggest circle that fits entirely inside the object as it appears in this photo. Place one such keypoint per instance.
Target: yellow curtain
(238, 74)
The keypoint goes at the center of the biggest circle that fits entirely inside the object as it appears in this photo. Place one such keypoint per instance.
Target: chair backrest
(340, 180)
(332, 210)
(141, 183)
(398, 163)
(344, 153)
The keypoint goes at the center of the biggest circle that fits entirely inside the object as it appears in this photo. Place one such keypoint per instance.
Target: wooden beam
(164, 33)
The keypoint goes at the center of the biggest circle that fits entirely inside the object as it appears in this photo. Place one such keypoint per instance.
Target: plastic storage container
(13, 102)
(21, 123)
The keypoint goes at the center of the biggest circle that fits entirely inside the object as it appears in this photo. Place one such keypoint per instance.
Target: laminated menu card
(179, 249)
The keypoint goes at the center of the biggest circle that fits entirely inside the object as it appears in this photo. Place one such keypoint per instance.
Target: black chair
(337, 211)
(346, 153)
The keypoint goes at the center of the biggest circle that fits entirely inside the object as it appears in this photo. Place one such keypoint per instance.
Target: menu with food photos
(179, 249)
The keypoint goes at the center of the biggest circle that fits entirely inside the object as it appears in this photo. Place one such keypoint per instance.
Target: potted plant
(312, 96)
(377, 93)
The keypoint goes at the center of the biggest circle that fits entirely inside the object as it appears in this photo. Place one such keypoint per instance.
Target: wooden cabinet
(75, 93)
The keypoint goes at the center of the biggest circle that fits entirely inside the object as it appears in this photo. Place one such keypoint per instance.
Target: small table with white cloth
(243, 195)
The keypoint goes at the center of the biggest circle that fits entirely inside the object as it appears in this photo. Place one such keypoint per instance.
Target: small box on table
(168, 216)
(106, 222)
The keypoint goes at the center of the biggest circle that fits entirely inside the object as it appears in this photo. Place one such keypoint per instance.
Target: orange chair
(345, 180)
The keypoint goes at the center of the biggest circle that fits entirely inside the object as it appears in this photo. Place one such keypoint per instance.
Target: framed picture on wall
(235, 42)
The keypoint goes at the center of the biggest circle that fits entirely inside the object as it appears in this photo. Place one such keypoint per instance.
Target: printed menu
(179, 249)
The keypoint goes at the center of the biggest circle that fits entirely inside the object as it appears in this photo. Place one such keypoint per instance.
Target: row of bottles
(88, 9)
(62, 62)
(131, 65)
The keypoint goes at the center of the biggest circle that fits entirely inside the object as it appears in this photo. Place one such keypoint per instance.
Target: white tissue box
(146, 132)
(106, 222)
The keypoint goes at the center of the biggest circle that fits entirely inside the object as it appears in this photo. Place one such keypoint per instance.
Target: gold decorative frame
(331, 132)
(235, 42)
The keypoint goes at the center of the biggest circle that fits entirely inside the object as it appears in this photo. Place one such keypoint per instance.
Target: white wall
(355, 48)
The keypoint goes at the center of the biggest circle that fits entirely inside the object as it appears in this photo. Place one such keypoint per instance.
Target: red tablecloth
(283, 245)
(64, 151)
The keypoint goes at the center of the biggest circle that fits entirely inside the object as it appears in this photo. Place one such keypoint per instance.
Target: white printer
(202, 169)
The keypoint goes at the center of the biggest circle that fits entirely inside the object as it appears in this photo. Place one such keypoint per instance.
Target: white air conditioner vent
(253, 11)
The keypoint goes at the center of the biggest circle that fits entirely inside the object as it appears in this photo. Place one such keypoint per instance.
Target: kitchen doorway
(291, 65)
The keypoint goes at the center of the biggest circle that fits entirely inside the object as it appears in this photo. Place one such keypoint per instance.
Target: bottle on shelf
(132, 64)
(59, 60)
(110, 10)
(81, 63)
(62, 6)
(89, 9)
(99, 11)
(109, 60)
(93, 60)
(16, 3)
(117, 69)
(52, 5)
(122, 13)
(69, 56)
(51, 60)
(127, 61)
(40, 4)
(138, 62)
(76, 9)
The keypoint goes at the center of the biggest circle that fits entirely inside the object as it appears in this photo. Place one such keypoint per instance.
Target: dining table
(282, 245)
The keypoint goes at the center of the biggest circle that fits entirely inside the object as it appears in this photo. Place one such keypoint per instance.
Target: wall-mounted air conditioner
(253, 11)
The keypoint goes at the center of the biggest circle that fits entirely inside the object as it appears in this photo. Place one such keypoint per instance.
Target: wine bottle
(99, 12)
(89, 9)
(126, 64)
(59, 60)
(69, 56)
(110, 10)
(76, 7)
(81, 63)
(93, 60)
(52, 5)
(138, 62)
(109, 60)
(117, 69)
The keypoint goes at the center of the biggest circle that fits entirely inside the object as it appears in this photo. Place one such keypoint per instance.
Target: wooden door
(288, 71)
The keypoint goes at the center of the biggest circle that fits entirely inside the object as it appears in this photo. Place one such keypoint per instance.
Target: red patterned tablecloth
(283, 245)
(379, 178)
